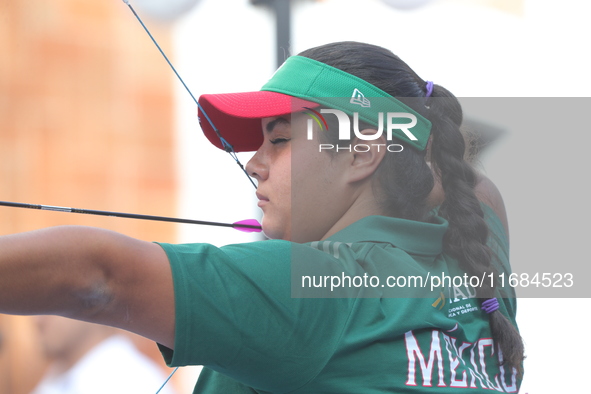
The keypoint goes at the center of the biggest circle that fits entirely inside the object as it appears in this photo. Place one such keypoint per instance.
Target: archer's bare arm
(89, 274)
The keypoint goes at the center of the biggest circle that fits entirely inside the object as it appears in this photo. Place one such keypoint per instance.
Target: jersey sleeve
(235, 315)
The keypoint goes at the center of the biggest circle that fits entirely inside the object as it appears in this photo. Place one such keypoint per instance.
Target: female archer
(373, 215)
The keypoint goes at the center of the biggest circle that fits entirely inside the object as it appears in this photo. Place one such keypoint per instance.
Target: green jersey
(359, 312)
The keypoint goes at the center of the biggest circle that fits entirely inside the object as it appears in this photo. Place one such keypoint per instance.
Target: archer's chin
(275, 229)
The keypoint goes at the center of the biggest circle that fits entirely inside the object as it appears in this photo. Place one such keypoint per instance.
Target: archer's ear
(366, 156)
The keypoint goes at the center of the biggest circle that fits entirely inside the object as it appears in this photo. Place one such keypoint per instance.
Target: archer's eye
(279, 140)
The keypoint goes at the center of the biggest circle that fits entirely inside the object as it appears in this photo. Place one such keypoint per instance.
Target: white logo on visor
(359, 99)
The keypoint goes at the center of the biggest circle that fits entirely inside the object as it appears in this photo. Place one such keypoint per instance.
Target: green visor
(302, 83)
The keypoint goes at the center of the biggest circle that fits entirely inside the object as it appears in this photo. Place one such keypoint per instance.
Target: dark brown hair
(406, 179)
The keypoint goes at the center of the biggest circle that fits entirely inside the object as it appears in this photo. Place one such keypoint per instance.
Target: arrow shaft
(122, 215)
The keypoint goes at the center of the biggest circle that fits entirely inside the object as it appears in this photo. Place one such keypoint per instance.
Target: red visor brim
(237, 116)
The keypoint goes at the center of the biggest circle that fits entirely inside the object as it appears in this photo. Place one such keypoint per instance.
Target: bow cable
(249, 225)
(167, 379)
(227, 146)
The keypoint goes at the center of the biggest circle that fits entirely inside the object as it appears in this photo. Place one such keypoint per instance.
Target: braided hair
(406, 180)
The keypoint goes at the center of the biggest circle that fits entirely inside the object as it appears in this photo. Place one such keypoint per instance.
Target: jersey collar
(413, 237)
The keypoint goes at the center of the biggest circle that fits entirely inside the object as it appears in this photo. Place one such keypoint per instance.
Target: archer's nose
(256, 167)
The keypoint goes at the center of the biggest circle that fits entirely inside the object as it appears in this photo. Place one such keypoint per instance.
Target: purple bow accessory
(490, 305)
(429, 88)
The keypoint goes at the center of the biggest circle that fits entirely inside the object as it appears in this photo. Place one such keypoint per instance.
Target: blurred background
(92, 117)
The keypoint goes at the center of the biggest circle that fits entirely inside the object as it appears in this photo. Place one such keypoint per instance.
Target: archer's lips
(262, 200)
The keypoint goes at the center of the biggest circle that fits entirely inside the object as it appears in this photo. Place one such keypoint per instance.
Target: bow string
(227, 146)
(246, 225)
(249, 225)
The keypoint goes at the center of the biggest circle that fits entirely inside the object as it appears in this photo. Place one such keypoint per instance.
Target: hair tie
(429, 88)
(490, 305)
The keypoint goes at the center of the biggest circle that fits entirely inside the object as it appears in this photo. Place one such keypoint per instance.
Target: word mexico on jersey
(446, 363)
